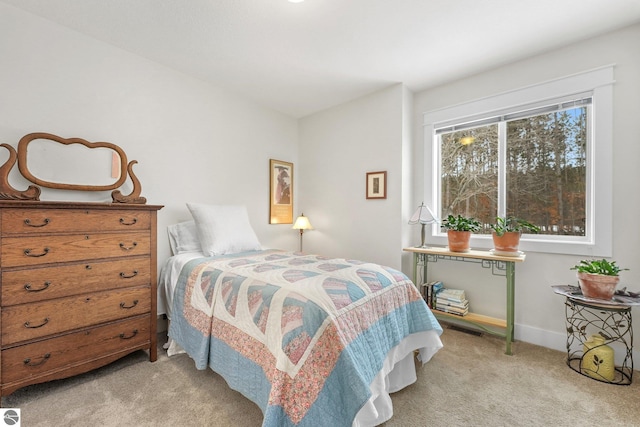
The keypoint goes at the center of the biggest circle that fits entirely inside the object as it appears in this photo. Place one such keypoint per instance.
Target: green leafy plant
(461, 223)
(513, 224)
(598, 266)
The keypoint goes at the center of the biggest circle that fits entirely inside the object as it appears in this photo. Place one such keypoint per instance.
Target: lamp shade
(302, 223)
(423, 215)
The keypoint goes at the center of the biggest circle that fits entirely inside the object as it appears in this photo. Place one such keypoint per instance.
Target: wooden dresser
(78, 284)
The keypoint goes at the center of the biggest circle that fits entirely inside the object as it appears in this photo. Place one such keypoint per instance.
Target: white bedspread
(168, 278)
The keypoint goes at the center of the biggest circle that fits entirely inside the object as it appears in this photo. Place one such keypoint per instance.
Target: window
(530, 164)
(533, 153)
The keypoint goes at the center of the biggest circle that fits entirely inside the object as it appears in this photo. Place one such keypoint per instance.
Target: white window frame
(599, 84)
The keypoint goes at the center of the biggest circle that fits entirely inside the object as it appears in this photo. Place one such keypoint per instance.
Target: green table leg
(425, 260)
(511, 280)
(416, 262)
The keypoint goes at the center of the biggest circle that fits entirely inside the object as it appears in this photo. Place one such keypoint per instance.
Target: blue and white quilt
(301, 335)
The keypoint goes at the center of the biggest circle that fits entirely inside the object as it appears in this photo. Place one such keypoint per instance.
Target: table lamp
(302, 223)
(423, 215)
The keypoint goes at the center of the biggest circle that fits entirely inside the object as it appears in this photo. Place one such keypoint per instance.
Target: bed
(312, 341)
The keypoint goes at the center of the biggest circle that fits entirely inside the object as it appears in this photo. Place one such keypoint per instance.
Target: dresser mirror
(45, 159)
(68, 164)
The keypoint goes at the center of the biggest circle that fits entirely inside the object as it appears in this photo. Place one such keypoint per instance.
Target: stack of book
(429, 291)
(452, 301)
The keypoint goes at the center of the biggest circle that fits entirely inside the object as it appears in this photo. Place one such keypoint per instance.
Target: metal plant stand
(611, 322)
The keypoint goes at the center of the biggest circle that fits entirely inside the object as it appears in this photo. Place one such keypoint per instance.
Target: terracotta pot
(598, 285)
(458, 240)
(508, 242)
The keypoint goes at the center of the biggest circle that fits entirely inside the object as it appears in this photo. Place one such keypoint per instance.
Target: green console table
(500, 266)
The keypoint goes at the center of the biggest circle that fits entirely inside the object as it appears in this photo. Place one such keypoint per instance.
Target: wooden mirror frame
(7, 192)
(23, 147)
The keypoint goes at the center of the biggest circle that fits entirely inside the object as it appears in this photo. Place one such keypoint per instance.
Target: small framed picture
(377, 185)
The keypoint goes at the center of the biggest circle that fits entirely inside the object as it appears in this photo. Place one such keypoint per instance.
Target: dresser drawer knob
(122, 221)
(43, 359)
(122, 304)
(44, 222)
(27, 252)
(125, 276)
(28, 324)
(124, 337)
(28, 288)
(128, 248)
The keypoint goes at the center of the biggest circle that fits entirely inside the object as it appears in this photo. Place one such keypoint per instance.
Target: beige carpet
(470, 382)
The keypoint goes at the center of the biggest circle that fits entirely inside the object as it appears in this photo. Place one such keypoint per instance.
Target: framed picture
(377, 185)
(280, 192)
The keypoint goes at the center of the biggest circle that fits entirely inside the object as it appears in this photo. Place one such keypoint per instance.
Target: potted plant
(506, 234)
(598, 278)
(459, 229)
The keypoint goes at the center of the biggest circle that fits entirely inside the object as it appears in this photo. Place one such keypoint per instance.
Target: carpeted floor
(470, 382)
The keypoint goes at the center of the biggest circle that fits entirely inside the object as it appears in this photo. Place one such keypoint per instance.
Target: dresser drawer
(34, 250)
(38, 284)
(64, 351)
(29, 321)
(33, 221)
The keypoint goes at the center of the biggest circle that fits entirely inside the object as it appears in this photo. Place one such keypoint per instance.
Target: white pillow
(223, 229)
(183, 237)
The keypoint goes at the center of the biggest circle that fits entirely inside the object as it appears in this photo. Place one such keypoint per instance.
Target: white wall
(337, 148)
(410, 233)
(193, 142)
(540, 313)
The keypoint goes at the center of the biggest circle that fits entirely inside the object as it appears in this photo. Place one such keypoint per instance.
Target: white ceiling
(305, 57)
